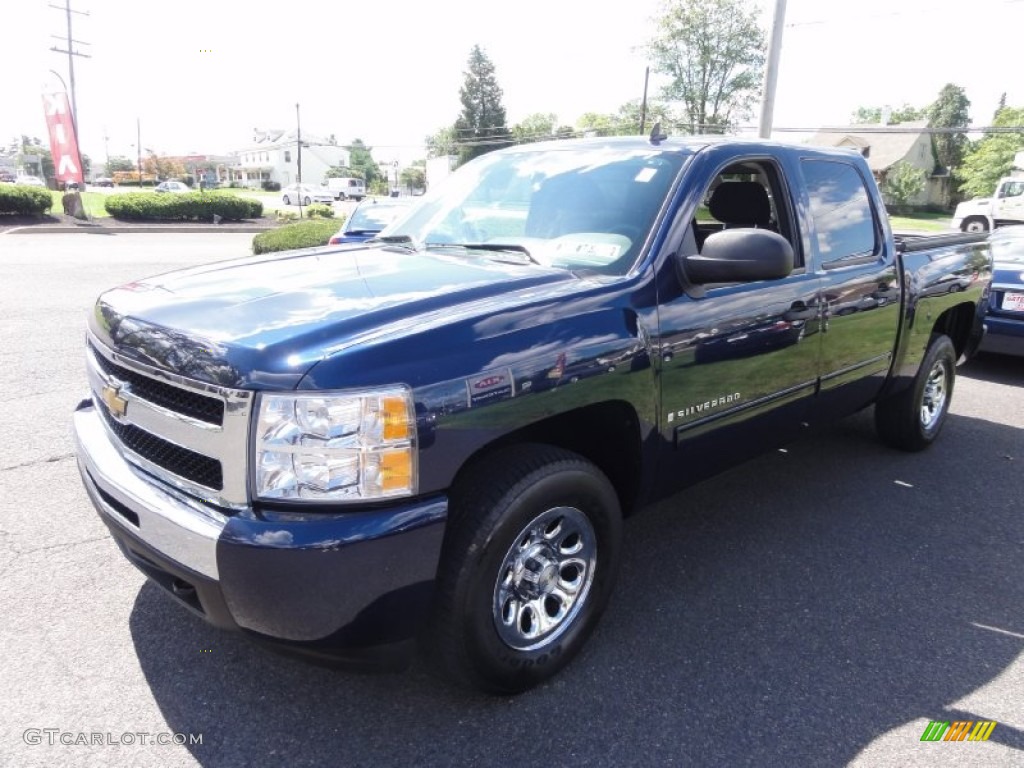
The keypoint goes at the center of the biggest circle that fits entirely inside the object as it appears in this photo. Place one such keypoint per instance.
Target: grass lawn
(921, 222)
(92, 201)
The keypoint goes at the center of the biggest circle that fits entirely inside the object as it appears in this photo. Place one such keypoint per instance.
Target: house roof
(885, 147)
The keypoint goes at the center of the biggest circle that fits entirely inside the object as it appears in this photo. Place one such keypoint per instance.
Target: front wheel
(287, 200)
(307, 201)
(912, 419)
(975, 224)
(528, 564)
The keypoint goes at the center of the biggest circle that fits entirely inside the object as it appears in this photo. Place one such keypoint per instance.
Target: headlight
(336, 446)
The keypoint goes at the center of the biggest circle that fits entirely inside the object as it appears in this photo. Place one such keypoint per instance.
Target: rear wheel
(912, 419)
(287, 200)
(307, 201)
(529, 562)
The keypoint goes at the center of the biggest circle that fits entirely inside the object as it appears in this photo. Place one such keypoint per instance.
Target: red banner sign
(63, 143)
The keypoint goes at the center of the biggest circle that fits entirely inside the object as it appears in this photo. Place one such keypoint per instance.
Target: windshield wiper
(495, 247)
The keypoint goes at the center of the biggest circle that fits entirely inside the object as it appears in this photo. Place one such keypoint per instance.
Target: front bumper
(330, 584)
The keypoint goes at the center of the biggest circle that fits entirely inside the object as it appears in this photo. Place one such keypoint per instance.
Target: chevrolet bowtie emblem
(116, 404)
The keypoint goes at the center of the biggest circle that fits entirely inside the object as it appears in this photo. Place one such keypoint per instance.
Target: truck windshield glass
(575, 208)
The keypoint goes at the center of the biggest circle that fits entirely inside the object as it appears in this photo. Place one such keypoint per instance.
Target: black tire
(974, 224)
(507, 516)
(912, 419)
(308, 201)
(287, 200)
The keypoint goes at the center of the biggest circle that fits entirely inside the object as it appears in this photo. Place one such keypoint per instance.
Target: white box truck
(1006, 206)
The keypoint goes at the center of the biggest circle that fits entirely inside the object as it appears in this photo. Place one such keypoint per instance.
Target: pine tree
(481, 126)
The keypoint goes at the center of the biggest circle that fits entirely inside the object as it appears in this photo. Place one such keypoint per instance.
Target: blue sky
(201, 75)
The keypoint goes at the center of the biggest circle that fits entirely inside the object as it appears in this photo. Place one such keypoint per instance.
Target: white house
(273, 156)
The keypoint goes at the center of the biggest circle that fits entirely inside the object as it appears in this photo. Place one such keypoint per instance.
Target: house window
(287, 155)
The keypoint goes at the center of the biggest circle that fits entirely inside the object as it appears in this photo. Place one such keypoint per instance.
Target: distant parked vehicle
(172, 186)
(347, 188)
(369, 218)
(103, 181)
(293, 194)
(7, 178)
(30, 181)
(1005, 318)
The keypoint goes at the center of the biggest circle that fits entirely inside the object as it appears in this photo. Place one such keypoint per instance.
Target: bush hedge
(23, 200)
(181, 206)
(319, 211)
(302, 234)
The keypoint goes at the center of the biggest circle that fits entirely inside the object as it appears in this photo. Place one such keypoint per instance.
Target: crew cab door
(860, 291)
(738, 362)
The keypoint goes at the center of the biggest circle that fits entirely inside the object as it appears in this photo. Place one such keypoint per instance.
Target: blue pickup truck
(433, 438)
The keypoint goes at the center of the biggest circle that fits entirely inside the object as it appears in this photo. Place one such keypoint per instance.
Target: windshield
(374, 217)
(576, 208)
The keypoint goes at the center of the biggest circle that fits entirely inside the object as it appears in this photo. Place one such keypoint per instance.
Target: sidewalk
(58, 224)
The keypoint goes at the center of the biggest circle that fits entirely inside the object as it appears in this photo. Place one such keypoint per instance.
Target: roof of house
(885, 147)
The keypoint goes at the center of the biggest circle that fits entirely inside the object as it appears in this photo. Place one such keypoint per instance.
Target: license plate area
(1013, 302)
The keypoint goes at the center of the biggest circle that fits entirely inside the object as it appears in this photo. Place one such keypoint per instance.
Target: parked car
(172, 186)
(345, 455)
(307, 194)
(103, 181)
(8, 178)
(30, 181)
(1005, 318)
(369, 218)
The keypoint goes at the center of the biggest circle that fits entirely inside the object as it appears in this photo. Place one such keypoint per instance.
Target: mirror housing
(739, 256)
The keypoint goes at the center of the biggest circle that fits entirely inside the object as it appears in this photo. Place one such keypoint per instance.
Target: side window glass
(841, 209)
(747, 194)
(1012, 189)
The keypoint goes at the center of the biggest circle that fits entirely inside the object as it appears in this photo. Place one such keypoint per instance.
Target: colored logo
(960, 730)
(116, 404)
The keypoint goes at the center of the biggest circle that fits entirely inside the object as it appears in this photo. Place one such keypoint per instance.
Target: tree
(119, 163)
(903, 183)
(480, 128)
(713, 51)
(904, 114)
(163, 167)
(991, 158)
(413, 178)
(950, 110)
(360, 159)
(342, 172)
(628, 117)
(442, 142)
(536, 127)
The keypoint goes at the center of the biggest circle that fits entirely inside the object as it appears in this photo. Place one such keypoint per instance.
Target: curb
(100, 230)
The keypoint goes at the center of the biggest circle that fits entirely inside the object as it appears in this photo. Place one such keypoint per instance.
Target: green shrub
(182, 206)
(271, 186)
(302, 234)
(319, 211)
(24, 200)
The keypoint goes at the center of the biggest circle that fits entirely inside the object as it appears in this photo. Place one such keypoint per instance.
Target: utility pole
(771, 71)
(138, 147)
(71, 52)
(643, 104)
(298, 159)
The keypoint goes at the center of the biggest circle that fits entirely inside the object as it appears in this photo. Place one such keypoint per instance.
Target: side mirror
(739, 256)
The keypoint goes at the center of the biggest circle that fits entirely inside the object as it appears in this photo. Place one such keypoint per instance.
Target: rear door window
(844, 220)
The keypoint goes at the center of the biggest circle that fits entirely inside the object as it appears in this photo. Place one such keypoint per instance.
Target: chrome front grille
(201, 407)
(187, 433)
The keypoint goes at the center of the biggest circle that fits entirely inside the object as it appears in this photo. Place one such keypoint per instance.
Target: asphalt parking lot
(815, 607)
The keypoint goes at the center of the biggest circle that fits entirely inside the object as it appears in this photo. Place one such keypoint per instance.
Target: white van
(347, 189)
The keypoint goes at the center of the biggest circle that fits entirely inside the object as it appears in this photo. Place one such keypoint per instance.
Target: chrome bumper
(173, 524)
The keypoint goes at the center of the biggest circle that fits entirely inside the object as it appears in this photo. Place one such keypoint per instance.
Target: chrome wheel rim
(936, 392)
(545, 578)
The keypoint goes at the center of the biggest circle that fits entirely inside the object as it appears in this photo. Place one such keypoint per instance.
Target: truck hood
(264, 322)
